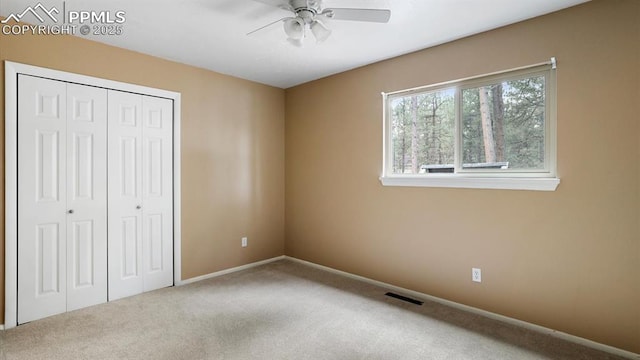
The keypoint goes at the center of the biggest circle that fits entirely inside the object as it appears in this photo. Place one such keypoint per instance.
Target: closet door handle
(139, 207)
(70, 211)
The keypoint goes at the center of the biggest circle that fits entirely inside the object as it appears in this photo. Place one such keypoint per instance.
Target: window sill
(452, 181)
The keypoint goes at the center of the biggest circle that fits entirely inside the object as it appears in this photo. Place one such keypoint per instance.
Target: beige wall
(232, 148)
(568, 259)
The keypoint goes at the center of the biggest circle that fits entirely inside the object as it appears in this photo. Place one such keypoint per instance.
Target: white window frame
(514, 179)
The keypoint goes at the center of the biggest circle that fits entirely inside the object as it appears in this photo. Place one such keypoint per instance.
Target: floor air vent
(404, 298)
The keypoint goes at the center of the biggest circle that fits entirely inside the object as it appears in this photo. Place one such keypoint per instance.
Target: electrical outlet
(244, 241)
(476, 275)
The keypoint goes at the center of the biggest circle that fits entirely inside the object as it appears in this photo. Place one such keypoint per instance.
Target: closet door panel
(86, 196)
(124, 194)
(157, 192)
(42, 212)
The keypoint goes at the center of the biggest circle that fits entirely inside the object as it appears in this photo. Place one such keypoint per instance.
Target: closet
(94, 195)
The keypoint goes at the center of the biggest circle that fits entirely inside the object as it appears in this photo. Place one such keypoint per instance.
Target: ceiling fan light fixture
(320, 31)
(294, 28)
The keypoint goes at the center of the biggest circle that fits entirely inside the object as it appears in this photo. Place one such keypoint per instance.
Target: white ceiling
(211, 34)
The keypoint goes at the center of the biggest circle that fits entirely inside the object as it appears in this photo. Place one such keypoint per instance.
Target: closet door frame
(12, 69)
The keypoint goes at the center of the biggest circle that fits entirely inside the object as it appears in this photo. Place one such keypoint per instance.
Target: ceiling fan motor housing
(306, 9)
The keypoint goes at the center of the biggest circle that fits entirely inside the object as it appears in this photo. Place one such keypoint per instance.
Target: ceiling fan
(308, 14)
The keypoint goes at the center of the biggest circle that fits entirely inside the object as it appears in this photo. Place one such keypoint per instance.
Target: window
(493, 131)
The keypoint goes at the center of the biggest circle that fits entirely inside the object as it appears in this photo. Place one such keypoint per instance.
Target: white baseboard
(471, 309)
(229, 271)
(1, 327)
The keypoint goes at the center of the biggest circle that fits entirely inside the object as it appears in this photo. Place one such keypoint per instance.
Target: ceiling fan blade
(371, 15)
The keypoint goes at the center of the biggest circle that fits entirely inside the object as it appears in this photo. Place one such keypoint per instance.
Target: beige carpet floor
(282, 310)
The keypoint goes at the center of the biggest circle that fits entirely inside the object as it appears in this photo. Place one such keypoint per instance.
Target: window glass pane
(422, 132)
(503, 125)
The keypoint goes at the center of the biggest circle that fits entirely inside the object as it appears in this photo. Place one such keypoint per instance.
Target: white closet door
(42, 211)
(140, 218)
(62, 244)
(86, 196)
(157, 193)
(95, 195)
(125, 194)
